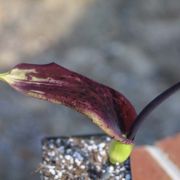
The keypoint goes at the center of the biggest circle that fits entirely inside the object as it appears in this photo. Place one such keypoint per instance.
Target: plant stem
(150, 107)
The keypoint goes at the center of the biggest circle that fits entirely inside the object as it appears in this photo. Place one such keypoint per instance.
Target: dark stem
(149, 108)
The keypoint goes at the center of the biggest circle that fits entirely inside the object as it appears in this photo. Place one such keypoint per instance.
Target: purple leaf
(107, 108)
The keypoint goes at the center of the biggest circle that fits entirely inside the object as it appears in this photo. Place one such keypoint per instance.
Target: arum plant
(106, 107)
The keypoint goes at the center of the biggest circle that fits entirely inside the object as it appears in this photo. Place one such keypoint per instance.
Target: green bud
(119, 152)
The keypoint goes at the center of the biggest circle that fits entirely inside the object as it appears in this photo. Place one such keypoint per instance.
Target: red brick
(144, 167)
(171, 146)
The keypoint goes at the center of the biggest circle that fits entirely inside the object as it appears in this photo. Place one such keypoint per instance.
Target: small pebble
(111, 169)
(51, 153)
(51, 146)
(102, 145)
(127, 177)
(61, 149)
(122, 168)
(78, 156)
(102, 153)
(58, 141)
(52, 171)
(78, 162)
(68, 157)
(82, 167)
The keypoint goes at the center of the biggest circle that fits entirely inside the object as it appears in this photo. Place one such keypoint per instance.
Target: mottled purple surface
(105, 106)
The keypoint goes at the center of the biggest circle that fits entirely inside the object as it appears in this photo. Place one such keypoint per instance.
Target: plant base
(80, 158)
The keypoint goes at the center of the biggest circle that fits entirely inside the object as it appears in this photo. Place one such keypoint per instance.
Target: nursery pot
(80, 158)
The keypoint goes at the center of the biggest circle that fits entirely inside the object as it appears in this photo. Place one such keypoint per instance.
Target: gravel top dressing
(80, 158)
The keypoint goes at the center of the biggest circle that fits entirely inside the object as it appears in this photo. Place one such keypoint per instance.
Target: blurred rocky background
(132, 46)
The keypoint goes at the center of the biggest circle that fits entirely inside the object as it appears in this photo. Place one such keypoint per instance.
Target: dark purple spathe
(107, 108)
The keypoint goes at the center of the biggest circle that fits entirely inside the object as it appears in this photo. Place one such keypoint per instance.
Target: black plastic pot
(80, 158)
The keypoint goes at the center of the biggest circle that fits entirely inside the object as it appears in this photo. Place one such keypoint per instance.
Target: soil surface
(80, 158)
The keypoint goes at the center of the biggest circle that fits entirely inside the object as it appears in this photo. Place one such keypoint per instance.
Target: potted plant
(106, 107)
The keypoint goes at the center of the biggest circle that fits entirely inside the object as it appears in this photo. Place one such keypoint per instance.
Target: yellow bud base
(119, 152)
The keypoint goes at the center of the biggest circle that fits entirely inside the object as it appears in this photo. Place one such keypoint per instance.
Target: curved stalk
(150, 107)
